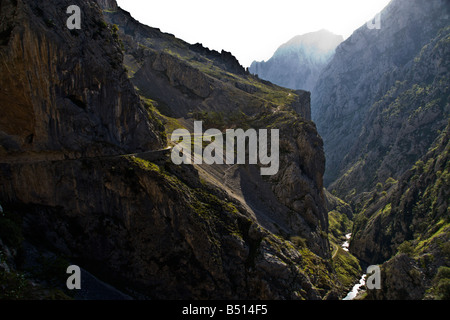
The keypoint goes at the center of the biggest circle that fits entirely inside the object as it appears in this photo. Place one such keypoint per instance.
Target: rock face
(153, 229)
(381, 100)
(402, 279)
(184, 79)
(382, 108)
(147, 231)
(409, 217)
(407, 209)
(298, 63)
(56, 107)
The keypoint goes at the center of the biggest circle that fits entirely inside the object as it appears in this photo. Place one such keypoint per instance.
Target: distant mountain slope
(298, 63)
(399, 127)
(382, 99)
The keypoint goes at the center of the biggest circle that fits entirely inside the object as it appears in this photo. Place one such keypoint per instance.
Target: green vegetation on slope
(402, 123)
(410, 217)
(225, 217)
(347, 267)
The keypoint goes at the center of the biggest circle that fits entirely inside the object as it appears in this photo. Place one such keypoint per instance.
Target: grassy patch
(340, 225)
(347, 267)
(441, 284)
(144, 164)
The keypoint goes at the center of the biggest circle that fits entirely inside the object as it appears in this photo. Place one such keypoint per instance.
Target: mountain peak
(315, 44)
(307, 54)
(322, 38)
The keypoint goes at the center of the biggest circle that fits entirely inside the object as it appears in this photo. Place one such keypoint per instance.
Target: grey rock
(298, 63)
(369, 71)
(156, 230)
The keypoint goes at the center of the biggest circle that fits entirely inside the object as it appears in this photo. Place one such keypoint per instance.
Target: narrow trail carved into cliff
(60, 157)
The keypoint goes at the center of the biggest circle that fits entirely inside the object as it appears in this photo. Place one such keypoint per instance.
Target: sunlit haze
(250, 29)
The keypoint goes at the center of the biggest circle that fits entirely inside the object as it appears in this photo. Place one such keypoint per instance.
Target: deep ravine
(357, 287)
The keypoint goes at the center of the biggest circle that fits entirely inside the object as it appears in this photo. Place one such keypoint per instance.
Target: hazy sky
(251, 29)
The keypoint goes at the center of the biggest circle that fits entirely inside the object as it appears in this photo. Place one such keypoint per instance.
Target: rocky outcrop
(408, 217)
(152, 229)
(298, 63)
(186, 79)
(401, 279)
(302, 104)
(382, 98)
(225, 60)
(298, 184)
(144, 230)
(55, 106)
(406, 209)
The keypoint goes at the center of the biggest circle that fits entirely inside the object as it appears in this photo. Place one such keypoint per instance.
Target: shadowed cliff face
(379, 102)
(140, 227)
(408, 228)
(154, 229)
(382, 108)
(182, 79)
(49, 102)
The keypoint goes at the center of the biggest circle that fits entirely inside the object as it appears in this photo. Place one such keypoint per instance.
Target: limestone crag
(405, 226)
(152, 229)
(378, 103)
(55, 106)
(187, 79)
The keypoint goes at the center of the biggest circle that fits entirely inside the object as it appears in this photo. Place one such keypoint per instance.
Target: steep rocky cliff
(183, 78)
(188, 81)
(408, 221)
(297, 64)
(71, 123)
(381, 100)
(49, 103)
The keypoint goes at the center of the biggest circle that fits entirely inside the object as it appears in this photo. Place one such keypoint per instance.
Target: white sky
(251, 29)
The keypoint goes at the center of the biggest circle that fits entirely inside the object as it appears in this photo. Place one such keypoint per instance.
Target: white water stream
(352, 294)
(346, 244)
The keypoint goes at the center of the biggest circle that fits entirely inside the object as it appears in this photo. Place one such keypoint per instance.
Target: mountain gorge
(406, 223)
(382, 99)
(87, 178)
(382, 108)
